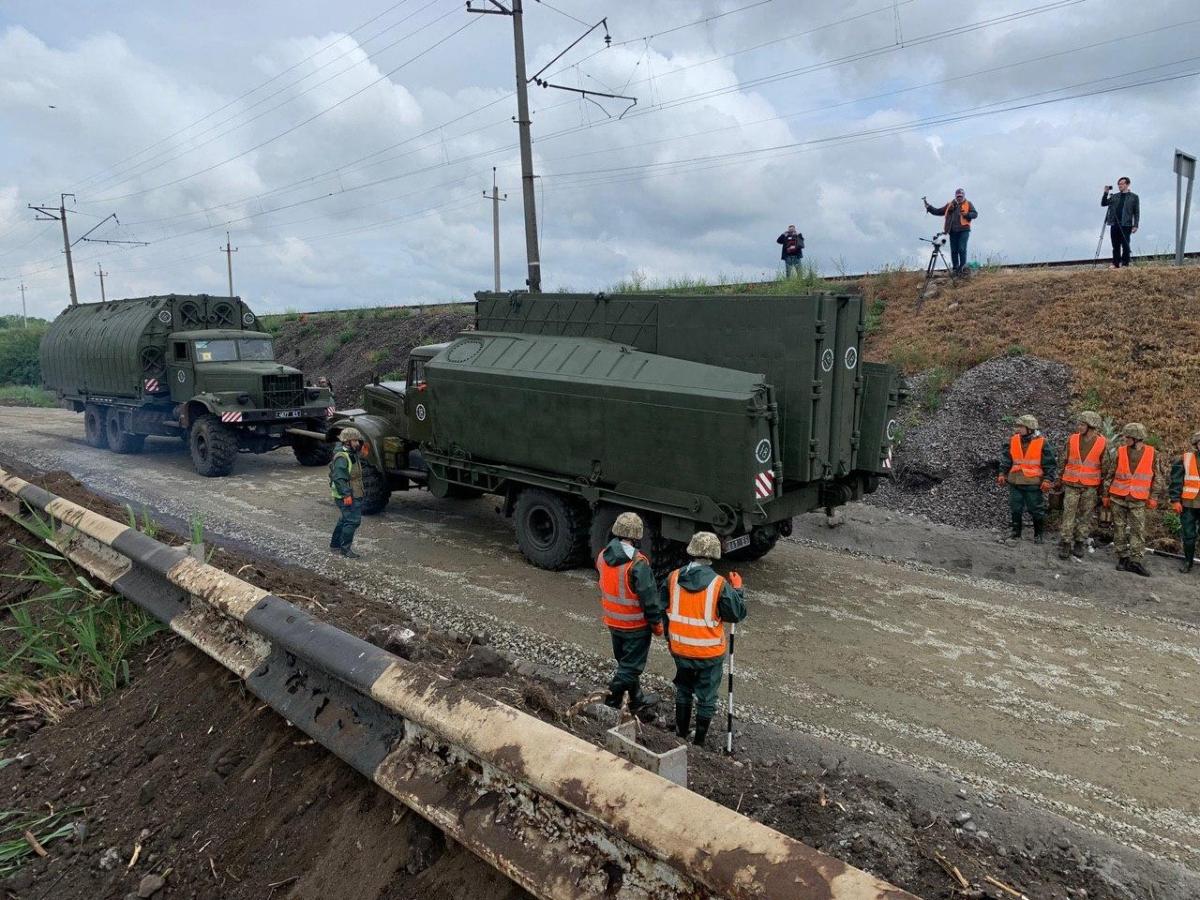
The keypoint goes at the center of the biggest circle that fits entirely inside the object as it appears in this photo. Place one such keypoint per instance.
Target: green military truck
(733, 414)
(195, 367)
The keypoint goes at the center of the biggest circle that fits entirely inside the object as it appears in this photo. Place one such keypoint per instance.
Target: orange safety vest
(695, 628)
(1136, 485)
(1029, 461)
(1083, 472)
(1191, 477)
(619, 601)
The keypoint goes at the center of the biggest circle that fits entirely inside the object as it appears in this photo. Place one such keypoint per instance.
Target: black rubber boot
(1078, 549)
(701, 731)
(1015, 530)
(614, 698)
(1039, 525)
(1185, 566)
(683, 718)
(1064, 550)
(350, 554)
(642, 705)
(1135, 566)
(1123, 564)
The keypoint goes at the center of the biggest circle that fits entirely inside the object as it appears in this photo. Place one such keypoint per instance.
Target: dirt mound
(348, 347)
(947, 458)
(1129, 336)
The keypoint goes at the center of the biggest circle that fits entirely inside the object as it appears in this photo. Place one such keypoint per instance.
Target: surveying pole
(495, 198)
(229, 251)
(48, 213)
(100, 273)
(24, 320)
(523, 121)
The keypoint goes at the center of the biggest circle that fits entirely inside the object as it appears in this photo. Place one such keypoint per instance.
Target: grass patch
(346, 336)
(25, 395)
(46, 828)
(804, 281)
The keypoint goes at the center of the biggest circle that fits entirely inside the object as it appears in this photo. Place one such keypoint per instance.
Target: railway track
(553, 813)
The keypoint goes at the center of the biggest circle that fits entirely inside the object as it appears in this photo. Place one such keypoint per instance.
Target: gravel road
(1082, 702)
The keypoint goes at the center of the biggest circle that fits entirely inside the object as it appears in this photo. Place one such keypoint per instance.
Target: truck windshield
(255, 349)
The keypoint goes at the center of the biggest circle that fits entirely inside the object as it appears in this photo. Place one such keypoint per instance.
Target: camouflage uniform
(345, 480)
(1079, 501)
(1129, 515)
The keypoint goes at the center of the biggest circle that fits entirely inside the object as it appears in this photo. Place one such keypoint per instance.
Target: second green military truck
(195, 367)
(730, 414)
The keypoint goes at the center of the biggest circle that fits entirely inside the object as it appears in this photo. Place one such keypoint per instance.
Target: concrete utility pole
(496, 198)
(1185, 167)
(24, 320)
(48, 213)
(229, 251)
(523, 122)
(100, 273)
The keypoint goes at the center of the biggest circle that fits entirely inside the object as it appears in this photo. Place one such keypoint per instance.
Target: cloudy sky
(345, 147)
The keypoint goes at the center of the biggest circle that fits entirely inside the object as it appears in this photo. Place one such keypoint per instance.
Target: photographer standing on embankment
(1124, 212)
(958, 212)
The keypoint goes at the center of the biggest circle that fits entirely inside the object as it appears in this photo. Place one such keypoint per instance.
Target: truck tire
(311, 452)
(762, 542)
(93, 426)
(552, 529)
(120, 440)
(664, 554)
(213, 446)
(376, 492)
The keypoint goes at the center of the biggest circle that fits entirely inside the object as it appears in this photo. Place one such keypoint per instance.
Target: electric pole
(523, 122)
(24, 320)
(229, 251)
(496, 198)
(100, 273)
(48, 213)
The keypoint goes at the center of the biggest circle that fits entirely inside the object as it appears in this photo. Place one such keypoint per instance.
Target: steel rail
(560, 817)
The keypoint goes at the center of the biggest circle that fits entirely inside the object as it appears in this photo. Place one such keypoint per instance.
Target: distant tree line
(19, 350)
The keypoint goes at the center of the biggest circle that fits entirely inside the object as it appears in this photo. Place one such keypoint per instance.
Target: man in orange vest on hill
(1081, 477)
(1185, 499)
(632, 611)
(1028, 470)
(1131, 482)
(699, 602)
(959, 213)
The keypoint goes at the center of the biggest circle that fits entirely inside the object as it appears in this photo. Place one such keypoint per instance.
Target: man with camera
(793, 249)
(1124, 213)
(959, 214)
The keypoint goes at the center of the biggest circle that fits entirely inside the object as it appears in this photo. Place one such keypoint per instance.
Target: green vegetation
(875, 314)
(346, 336)
(148, 526)
(19, 353)
(46, 828)
(1015, 350)
(804, 281)
(25, 395)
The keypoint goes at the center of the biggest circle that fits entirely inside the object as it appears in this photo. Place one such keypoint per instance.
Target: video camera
(938, 240)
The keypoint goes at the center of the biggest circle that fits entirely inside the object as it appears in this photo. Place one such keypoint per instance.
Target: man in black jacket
(793, 249)
(1124, 212)
(959, 213)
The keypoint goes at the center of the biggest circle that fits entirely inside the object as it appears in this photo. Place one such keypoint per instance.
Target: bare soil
(235, 803)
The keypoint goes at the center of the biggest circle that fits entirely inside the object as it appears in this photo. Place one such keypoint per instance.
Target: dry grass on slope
(1131, 337)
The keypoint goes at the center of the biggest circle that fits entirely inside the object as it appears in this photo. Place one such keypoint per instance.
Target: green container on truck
(730, 414)
(194, 367)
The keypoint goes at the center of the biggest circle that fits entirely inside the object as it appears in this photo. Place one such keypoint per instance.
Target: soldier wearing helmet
(632, 610)
(699, 602)
(1184, 492)
(1128, 493)
(346, 489)
(1081, 478)
(1028, 469)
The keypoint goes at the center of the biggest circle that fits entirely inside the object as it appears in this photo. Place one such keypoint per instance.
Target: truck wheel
(664, 554)
(120, 440)
(93, 426)
(762, 542)
(376, 492)
(213, 447)
(552, 530)
(311, 452)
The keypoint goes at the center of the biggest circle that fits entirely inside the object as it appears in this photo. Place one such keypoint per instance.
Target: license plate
(736, 543)
(290, 414)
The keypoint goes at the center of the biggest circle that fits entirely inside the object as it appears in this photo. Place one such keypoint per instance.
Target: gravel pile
(947, 460)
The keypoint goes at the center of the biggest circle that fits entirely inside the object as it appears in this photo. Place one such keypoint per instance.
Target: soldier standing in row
(699, 602)
(1130, 483)
(1028, 470)
(346, 489)
(1185, 500)
(1081, 479)
(632, 611)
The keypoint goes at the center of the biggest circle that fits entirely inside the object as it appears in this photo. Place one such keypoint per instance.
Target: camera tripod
(937, 242)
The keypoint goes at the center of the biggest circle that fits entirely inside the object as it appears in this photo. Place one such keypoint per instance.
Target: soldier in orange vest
(632, 610)
(1081, 477)
(1185, 499)
(699, 602)
(1130, 485)
(1027, 468)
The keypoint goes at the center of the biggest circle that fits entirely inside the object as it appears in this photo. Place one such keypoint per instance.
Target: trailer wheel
(552, 529)
(120, 440)
(762, 542)
(376, 492)
(213, 447)
(311, 452)
(93, 426)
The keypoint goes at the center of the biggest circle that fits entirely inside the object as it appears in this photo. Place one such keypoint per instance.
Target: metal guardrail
(562, 818)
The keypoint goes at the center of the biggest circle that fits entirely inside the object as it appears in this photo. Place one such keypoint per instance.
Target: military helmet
(1029, 422)
(704, 545)
(1091, 419)
(350, 434)
(1134, 430)
(628, 526)
(1195, 438)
